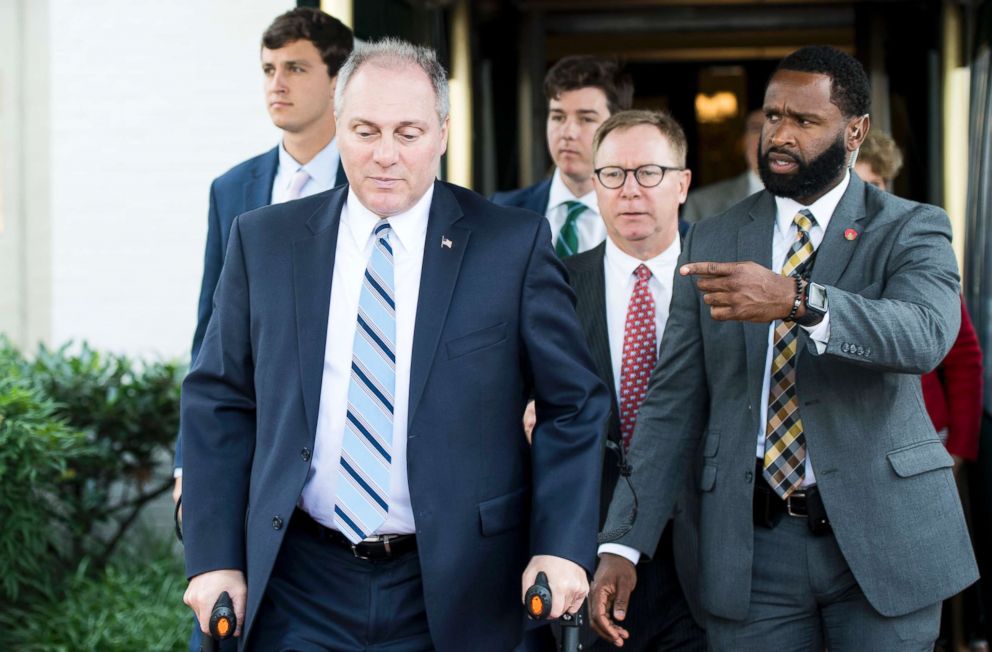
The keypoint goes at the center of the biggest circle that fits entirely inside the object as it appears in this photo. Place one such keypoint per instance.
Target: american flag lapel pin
(445, 242)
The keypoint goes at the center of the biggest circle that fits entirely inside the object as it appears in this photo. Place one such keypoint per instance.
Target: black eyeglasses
(647, 176)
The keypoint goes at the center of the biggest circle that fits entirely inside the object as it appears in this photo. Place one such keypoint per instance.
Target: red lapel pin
(850, 234)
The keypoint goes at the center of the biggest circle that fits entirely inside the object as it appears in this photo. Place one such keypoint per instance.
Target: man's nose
(385, 151)
(570, 129)
(630, 187)
(779, 135)
(276, 82)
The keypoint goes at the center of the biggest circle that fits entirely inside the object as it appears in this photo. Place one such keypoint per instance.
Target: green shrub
(135, 603)
(36, 450)
(129, 412)
(85, 440)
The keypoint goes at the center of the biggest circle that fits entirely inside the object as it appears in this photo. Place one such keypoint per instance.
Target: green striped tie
(568, 237)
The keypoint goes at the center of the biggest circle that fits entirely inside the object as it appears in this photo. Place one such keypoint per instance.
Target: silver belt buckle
(384, 539)
(354, 551)
(788, 503)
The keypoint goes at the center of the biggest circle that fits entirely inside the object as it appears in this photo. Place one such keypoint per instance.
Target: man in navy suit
(582, 92)
(301, 53)
(357, 476)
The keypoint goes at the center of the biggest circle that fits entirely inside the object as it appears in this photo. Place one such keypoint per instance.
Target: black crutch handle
(538, 603)
(223, 622)
(537, 600)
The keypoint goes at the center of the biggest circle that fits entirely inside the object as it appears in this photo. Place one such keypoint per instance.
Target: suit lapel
(835, 250)
(541, 197)
(341, 177)
(437, 283)
(313, 267)
(754, 243)
(590, 284)
(258, 189)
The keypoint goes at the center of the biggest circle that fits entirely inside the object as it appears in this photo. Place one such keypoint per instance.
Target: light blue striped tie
(362, 500)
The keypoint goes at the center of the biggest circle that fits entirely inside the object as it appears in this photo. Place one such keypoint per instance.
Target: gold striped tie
(785, 444)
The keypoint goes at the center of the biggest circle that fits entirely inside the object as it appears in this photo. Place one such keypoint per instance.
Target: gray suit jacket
(715, 198)
(884, 476)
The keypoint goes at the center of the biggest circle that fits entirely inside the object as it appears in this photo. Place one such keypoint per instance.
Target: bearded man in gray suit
(799, 322)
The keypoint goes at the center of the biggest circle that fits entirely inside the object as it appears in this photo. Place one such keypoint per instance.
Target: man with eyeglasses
(623, 290)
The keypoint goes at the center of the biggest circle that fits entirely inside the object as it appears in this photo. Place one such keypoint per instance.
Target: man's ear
(857, 129)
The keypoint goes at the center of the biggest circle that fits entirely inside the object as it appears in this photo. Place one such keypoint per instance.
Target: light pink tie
(296, 186)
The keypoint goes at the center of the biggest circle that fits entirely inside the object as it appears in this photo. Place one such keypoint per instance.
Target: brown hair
(881, 154)
(329, 35)
(581, 71)
(666, 124)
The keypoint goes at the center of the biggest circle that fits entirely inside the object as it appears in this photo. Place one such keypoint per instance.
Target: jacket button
(276, 523)
(305, 454)
(845, 347)
(748, 476)
(861, 350)
(867, 351)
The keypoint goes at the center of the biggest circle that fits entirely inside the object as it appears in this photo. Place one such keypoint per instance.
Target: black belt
(769, 507)
(377, 548)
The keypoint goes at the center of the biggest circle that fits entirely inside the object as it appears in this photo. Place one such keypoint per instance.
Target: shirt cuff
(820, 333)
(177, 472)
(630, 554)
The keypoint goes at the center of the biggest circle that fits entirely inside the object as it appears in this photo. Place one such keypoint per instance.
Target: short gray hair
(395, 53)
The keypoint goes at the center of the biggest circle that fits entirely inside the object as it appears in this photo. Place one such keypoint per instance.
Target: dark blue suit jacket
(243, 188)
(483, 500)
(535, 198)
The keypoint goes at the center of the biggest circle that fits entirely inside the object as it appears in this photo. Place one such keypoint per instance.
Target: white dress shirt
(784, 235)
(354, 247)
(590, 225)
(322, 168)
(618, 268)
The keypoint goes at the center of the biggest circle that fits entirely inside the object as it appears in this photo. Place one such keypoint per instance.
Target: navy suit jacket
(483, 500)
(533, 198)
(243, 188)
(536, 197)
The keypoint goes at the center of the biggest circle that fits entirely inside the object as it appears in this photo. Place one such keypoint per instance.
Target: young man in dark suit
(582, 92)
(301, 53)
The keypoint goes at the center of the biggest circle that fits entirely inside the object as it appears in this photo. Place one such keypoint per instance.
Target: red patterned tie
(640, 351)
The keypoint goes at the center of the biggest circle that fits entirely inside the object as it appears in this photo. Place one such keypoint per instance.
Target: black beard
(811, 178)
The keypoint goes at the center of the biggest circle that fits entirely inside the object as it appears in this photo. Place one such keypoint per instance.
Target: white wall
(25, 235)
(148, 102)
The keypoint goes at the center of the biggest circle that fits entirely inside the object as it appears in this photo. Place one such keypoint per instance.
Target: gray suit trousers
(804, 597)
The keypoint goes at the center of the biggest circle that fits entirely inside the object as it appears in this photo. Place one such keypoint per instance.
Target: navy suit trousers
(322, 598)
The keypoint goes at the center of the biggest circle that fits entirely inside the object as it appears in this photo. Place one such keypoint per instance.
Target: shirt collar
(822, 209)
(560, 194)
(409, 228)
(661, 266)
(322, 168)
